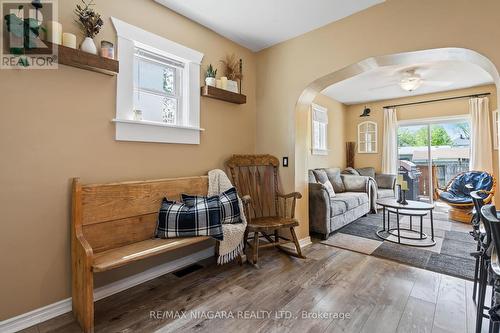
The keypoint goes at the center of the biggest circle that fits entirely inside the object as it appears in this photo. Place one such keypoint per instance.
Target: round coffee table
(413, 209)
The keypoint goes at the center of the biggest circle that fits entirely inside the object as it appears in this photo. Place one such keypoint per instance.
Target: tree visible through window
(440, 136)
(157, 87)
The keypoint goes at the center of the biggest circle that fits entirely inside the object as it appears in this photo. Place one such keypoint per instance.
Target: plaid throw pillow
(230, 209)
(180, 220)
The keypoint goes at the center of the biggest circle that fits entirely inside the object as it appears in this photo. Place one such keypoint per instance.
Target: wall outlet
(285, 162)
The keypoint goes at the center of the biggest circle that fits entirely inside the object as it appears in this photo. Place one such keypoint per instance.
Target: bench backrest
(118, 214)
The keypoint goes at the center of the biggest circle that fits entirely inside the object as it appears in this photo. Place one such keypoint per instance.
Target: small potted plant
(210, 76)
(232, 72)
(90, 22)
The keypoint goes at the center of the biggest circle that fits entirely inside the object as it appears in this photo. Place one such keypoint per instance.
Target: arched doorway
(314, 88)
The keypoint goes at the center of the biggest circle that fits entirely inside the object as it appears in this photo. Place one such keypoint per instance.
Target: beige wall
(336, 135)
(56, 125)
(420, 111)
(395, 26)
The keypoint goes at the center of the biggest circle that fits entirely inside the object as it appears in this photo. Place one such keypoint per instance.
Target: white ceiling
(258, 24)
(382, 83)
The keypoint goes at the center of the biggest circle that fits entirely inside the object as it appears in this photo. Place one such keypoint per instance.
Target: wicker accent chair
(457, 193)
(268, 210)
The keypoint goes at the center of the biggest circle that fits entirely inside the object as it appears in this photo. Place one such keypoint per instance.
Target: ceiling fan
(410, 79)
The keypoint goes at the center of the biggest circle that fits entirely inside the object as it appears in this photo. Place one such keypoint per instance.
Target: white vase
(210, 81)
(88, 46)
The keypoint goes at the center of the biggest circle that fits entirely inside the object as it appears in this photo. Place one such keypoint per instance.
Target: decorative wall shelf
(76, 58)
(223, 95)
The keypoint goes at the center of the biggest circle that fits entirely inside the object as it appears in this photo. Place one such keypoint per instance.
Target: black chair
(484, 263)
(490, 215)
(477, 232)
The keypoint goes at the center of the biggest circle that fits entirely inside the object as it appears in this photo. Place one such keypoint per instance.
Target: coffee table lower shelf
(402, 235)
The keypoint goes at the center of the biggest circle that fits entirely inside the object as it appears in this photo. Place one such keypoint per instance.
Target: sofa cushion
(385, 193)
(333, 175)
(337, 207)
(351, 200)
(369, 172)
(320, 175)
(350, 171)
(329, 188)
(312, 178)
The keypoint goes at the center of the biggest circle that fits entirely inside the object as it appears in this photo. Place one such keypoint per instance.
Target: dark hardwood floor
(378, 296)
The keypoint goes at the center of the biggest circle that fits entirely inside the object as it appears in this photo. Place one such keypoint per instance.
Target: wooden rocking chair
(268, 211)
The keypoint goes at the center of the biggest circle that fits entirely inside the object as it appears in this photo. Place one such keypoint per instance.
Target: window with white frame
(319, 130)
(495, 129)
(367, 137)
(158, 88)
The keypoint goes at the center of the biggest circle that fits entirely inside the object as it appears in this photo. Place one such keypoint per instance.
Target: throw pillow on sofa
(180, 220)
(230, 208)
(329, 189)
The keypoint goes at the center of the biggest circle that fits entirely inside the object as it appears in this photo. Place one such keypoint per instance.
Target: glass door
(431, 153)
(414, 160)
(450, 151)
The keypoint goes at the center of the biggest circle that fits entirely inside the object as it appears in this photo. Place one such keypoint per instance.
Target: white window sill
(153, 131)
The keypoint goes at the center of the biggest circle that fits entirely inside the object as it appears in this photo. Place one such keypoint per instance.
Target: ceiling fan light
(410, 83)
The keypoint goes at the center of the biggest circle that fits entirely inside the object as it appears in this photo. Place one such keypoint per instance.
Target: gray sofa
(383, 185)
(352, 200)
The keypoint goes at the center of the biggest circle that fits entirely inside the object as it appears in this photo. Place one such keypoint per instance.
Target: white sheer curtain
(480, 153)
(390, 144)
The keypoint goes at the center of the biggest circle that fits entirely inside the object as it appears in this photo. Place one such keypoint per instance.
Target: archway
(314, 88)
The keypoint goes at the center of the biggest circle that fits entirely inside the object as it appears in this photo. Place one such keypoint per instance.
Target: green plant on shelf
(211, 72)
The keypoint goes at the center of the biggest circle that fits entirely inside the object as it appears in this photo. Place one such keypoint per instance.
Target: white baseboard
(53, 310)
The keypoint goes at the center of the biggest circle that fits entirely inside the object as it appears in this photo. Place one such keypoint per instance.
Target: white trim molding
(53, 310)
(319, 115)
(131, 37)
(153, 131)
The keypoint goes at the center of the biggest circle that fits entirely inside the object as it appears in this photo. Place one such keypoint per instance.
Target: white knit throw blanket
(232, 245)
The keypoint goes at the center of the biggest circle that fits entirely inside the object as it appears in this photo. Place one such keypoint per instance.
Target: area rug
(450, 255)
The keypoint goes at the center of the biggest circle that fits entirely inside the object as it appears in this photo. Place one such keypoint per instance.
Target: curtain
(480, 153)
(390, 143)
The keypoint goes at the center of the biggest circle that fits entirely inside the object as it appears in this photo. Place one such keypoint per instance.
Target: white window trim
(374, 141)
(128, 129)
(314, 150)
(496, 124)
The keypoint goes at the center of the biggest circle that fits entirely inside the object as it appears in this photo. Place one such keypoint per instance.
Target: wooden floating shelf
(223, 95)
(76, 58)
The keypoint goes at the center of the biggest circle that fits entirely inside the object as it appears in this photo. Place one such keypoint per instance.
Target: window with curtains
(367, 137)
(319, 130)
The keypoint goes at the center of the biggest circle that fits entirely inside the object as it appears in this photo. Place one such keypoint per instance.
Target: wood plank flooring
(287, 295)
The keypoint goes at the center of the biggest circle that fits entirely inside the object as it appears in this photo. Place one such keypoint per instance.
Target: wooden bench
(113, 225)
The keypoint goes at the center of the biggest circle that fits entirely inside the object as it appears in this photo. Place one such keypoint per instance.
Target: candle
(54, 32)
(223, 81)
(69, 40)
(404, 185)
(400, 179)
(218, 84)
(107, 50)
